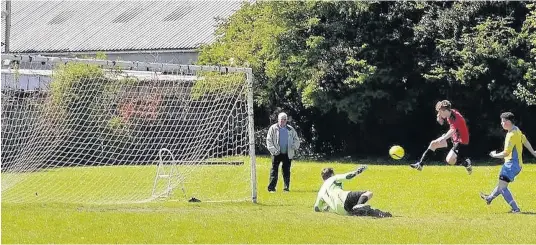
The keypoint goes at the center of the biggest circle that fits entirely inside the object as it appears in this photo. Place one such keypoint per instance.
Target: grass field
(439, 205)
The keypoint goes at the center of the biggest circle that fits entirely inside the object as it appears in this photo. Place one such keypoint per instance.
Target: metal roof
(3, 34)
(71, 26)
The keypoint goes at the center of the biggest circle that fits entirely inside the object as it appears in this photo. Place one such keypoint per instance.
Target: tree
(527, 91)
(360, 76)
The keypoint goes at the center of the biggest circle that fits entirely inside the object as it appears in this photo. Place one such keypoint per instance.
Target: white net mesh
(78, 132)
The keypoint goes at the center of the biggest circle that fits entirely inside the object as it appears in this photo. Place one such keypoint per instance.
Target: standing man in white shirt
(282, 141)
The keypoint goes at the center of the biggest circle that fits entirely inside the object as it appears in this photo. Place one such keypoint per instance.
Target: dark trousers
(275, 170)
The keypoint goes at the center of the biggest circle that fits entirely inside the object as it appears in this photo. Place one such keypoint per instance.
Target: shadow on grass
(304, 191)
(520, 213)
(278, 204)
(376, 217)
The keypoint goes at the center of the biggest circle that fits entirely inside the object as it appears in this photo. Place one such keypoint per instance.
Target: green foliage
(492, 40)
(246, 39)
(372, 66)
(216, 83)
(68, 78)
(116, 124)
(81, 99)
(98, 55)
(101, 56)
(527, 91)
(113, 86)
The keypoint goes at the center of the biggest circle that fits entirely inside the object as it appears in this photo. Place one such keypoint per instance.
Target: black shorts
(352, 199)
(460, 150)
(503, 178)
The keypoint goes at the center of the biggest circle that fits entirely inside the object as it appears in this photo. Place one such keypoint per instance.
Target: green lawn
(126, 184)
(439, 205)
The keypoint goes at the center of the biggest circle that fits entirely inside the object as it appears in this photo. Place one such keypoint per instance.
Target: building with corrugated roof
(150, 31)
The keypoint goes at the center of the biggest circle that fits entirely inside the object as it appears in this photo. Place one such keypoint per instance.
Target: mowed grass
(126, 184)
(439, 205)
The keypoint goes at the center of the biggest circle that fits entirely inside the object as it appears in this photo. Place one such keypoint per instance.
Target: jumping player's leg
(434, 145)
(458, 156)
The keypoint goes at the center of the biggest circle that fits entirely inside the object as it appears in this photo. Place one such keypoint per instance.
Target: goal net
(97, 131)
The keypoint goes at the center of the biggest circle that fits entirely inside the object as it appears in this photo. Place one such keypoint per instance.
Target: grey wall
(33, 82)
(187, 58)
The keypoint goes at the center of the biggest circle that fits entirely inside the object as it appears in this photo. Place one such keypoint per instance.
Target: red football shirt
(457, 122)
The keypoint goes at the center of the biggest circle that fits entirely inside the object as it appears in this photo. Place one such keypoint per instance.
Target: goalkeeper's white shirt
(332, 194)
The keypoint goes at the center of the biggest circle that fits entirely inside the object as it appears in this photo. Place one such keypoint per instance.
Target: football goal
(102, 131)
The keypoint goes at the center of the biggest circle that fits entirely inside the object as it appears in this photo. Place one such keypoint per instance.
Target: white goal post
(103, 131)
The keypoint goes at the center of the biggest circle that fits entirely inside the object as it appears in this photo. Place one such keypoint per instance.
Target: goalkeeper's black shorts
(352, 199)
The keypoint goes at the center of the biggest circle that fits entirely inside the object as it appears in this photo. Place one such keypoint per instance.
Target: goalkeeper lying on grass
(332, 198)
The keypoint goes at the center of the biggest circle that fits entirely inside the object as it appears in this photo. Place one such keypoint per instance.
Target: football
(396, 152)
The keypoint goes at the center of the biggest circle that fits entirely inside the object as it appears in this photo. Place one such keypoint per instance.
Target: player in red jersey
(458, 132)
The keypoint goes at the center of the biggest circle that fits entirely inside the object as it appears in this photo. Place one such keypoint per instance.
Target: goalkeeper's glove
(356, 172)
